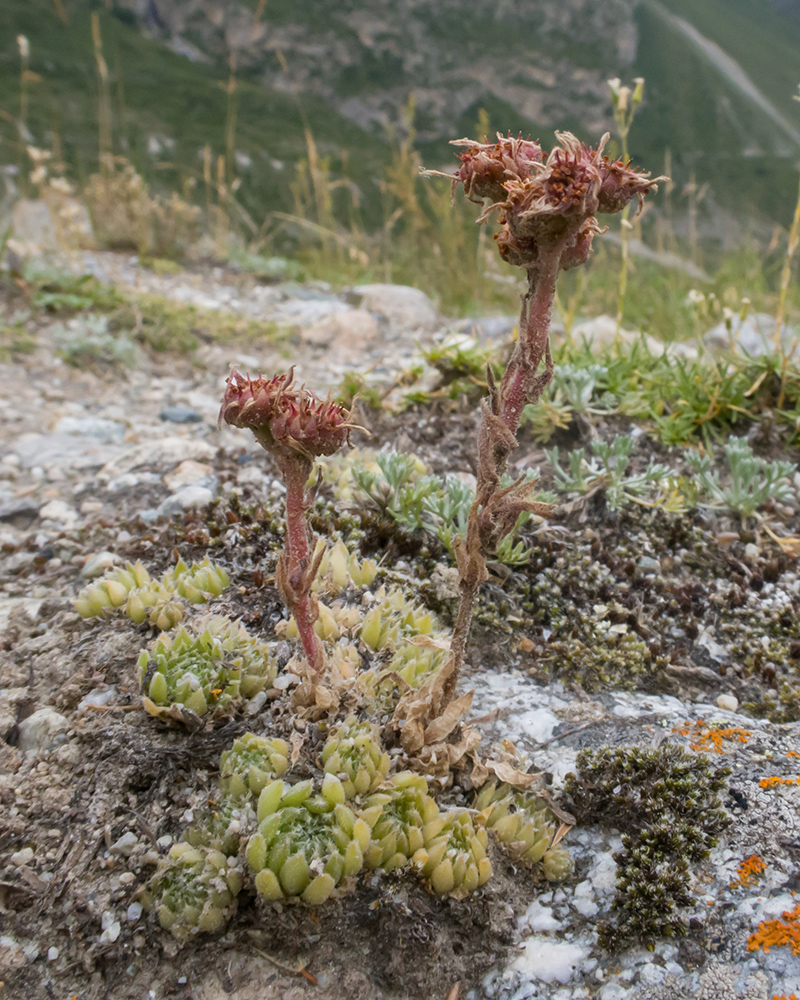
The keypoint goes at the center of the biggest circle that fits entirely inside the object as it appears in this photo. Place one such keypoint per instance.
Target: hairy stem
(298, 570)
(522, 383)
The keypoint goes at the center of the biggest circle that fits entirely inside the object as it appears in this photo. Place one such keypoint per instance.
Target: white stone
(548, 960)
(58, 510)
(133, 912)
(348, 336)
(41, 729)
(400, 304)
(52, 954)
(125, 845)
(538, 918)
(728, 702)
(185, 498)
(95, 427)
(23, 857)
(187, 474)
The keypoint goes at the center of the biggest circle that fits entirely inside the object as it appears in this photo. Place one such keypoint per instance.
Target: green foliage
(428, 504)
(667, 803)
(607, 469)
(407, 810)
(753, 480)
(251, 762)
(204, 668)
(524, 825)
(63, 293)
(159, 602)
(194, 891)
(354, 755)
(461, 364)
(14, 336)
(307, 843)
(453, 861)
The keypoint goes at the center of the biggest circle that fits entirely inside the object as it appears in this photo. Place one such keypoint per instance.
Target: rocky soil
(97, 467)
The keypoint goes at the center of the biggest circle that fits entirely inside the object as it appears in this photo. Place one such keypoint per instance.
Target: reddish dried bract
(545, 202)
(486, 167)
(284, 416)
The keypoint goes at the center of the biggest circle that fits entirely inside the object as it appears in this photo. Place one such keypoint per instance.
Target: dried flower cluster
(284, 417)
(296, 427)
(546, 204)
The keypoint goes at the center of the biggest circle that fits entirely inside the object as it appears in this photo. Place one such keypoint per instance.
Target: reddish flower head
(284, 417)
(547, 202)
(487, 167)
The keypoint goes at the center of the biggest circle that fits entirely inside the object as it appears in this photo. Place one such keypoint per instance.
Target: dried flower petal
(283, 416)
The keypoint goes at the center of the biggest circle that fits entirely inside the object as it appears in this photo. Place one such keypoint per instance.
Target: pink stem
(520, 384)
(296, 470)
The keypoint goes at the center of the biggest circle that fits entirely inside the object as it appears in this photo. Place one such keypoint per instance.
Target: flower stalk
(295, 427)
(546, 205)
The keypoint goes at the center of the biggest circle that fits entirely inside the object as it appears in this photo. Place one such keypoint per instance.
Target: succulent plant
(195, 890)
(251, 763)
(524, 826)
(339, 568)
(407, 812)
(157, 601)
(205, 667)
(307, 843)
(392, 617)
(353, 753)
(225, 825)
(453, 861)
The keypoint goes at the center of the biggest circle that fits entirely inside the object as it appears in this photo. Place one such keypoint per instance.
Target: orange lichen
(793, 753)
(710, 739)
(783, 996)
(775, 933)
(749, 871)
(772, 781)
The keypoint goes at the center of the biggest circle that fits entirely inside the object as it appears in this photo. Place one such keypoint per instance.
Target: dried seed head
(284, 417)
(549, 201)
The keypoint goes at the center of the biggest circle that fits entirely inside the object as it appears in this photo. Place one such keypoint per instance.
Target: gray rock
(94, 427)
(20, 512)
(125, 845)
(184, 498)
(68, 451)
(305, 312)
(180, 415)
(33, 227)
(45, 728)
(489, 327)
(401, 305)
(753, 335)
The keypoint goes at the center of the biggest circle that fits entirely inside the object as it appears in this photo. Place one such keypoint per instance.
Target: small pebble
(52, 954)
(180, 415)
(728, 702)
(126, 878)
(23, 857)
(164, 842)
(133, 912)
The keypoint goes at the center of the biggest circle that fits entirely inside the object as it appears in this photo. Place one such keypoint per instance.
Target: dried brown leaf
(444, 724)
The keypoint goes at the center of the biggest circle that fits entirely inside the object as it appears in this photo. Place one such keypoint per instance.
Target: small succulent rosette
(525, 827)
(308, 844)
(194, 891)
(404, 825)
(203, 669)
(158, 602)
(354, 755)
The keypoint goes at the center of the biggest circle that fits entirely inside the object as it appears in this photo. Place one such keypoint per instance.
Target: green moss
(667, 804)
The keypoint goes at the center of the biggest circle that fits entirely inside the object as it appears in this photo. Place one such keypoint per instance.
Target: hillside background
(720, 78)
